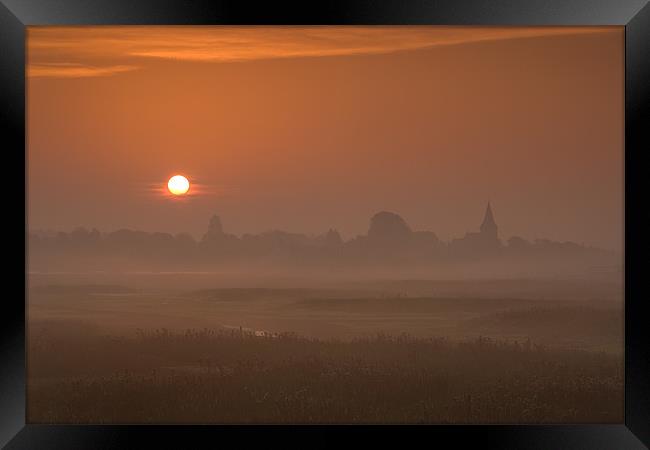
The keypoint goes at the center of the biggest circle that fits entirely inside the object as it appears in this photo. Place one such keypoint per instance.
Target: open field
(560, 314)
(368, 352)
(235, 377)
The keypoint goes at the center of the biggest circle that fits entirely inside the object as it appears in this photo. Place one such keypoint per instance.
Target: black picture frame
(634, 433)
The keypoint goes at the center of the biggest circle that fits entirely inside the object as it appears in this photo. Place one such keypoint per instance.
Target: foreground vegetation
(216, 376)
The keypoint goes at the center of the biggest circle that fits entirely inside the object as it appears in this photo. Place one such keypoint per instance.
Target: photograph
(325, 224)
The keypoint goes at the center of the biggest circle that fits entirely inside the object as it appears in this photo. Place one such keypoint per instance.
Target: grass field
(235, 377)
(362, 354)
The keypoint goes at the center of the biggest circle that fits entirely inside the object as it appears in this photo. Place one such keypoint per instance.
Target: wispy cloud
(246, 45)
(72, 70)
(130, 45)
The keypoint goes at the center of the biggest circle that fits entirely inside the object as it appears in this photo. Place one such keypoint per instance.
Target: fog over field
(367, 352)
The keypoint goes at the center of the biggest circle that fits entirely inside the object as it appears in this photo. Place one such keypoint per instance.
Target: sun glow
(178, 185)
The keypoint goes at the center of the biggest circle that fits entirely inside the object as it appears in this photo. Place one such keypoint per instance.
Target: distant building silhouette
(390, 238)
(333, 237)
(219, 244)
(389, 242)
(489, 226)
(215, 229)
(388, 226)
(485, 241)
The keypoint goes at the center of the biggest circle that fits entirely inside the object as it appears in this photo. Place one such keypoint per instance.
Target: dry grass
(206, 376)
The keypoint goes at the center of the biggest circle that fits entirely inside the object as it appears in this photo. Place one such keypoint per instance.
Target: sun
(178, 185)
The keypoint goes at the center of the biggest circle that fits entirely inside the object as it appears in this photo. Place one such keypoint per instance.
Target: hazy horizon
(199, 235)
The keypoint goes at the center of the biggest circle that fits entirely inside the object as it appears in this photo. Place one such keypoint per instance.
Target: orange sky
(304, 129)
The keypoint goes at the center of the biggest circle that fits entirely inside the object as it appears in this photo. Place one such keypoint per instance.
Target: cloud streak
(129, 46)
(73, 70)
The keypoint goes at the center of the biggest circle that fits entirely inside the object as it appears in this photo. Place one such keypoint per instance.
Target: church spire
(489, 226)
